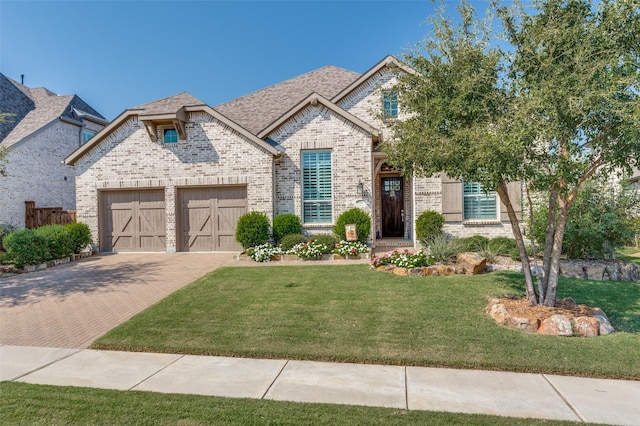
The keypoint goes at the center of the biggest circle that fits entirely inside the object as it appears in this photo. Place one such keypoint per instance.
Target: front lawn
(25, 404)
(355, 314)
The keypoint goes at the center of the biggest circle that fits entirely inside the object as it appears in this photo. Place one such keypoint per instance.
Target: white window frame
(479, 195)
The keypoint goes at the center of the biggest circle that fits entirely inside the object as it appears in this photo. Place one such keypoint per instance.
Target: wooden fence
(37, 217)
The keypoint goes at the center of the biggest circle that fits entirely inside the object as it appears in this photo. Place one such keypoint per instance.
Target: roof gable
(313, 100)
(259, 109)
(170, 109)
(388, 61)
(36, 108)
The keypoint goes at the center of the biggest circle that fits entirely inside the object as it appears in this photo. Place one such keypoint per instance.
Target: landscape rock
(600, 270)
(604, 326)
(403, 272)
(472, 263)
(556, 325)
(523, 322)
(415, 272)
(586, 326)
(498, 312)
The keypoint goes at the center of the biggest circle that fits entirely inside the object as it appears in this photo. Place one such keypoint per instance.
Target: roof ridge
(184, 92)
(297, 77)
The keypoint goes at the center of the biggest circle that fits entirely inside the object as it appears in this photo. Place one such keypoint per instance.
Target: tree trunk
(539, 276)
(515, 226)
(554, 258)
(548, 242)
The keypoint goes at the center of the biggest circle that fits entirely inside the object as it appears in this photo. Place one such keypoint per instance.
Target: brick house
(41, 130)
(176, 174)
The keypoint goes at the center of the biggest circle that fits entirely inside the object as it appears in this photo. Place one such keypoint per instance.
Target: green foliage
(285, 224)
(600, 220)
(309, 250)
(252, 229)
(328, 240)
(357, 216)
(79, 234)
(350, 248)
(5, 229)
(289, 241)
(57, 239)
(475, 243)
(429, 224)
(558, 104)
(25, 247)
(503, 246)
(443, 248)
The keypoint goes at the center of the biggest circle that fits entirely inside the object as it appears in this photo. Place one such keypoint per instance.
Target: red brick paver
(70, 305)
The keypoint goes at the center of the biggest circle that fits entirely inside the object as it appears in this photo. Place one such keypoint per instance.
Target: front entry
(392, 207)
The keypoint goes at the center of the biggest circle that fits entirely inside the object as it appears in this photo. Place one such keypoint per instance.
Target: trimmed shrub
(80, 235)
(286, 224)
(429, 224)
(475, 243)
(361, 220)
(291, 240)
(252, 229)
(25, 247)
(328, 240)
(503, 246)
(57, 240)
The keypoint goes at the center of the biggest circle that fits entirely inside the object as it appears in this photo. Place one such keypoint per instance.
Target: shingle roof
(169, 104)
(45, 107)
(257, 110)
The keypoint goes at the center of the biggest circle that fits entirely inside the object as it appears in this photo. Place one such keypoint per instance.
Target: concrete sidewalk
(410, 388)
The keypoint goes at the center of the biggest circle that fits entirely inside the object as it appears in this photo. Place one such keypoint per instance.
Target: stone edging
(555, 325)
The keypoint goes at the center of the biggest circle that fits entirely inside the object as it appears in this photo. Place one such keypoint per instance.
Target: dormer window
(169, 135)
(390, 104)
(87, 134)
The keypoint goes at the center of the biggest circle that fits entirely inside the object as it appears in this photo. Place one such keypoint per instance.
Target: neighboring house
(176, 174)
(41, 129)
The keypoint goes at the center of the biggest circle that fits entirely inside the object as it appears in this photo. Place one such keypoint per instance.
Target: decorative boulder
(586, 326)
(527, 323)
(556, 325)
(472, 263)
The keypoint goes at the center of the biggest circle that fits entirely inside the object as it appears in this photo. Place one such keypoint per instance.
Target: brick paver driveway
(72, 304)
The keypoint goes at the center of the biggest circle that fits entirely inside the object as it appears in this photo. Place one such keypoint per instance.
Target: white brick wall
(34, 172)
(316, 127)
(212, 155)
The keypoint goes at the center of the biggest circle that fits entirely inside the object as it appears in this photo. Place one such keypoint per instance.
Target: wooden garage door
(208, 218)
(133, 221)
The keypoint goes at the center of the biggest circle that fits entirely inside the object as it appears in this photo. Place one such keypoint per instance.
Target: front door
(392, 207)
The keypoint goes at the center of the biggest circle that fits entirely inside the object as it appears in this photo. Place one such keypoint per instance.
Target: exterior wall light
(360, 189)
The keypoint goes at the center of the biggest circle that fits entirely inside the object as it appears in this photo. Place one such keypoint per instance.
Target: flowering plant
(350, 248)
(309, 249)
(404, 259)
(263, 252)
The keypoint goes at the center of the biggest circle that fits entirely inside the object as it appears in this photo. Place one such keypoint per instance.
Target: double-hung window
(316, 187)
(478, 204)
(390, 104)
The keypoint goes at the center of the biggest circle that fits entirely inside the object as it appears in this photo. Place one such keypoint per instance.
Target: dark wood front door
(392, 207)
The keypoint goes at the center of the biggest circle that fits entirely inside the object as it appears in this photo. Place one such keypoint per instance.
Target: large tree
(550, 107)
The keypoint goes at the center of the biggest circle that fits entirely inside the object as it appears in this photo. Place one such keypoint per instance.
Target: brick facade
(34, 171)
(212, 155)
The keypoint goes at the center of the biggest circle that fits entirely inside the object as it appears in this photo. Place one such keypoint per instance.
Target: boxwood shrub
(252, 229)
(328, 240)
(80, 235)
(25, 247)
(289, 241)
(57, 240)
(357, 216)
(429, 225)
(286, 224)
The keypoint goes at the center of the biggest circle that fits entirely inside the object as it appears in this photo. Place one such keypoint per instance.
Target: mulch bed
(567, 307)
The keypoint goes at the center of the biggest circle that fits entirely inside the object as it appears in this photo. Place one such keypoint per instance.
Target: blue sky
(118, 54)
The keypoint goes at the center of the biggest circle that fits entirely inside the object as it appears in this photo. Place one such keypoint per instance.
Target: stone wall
(213, 155)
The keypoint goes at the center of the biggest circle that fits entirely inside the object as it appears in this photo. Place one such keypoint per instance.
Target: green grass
(25, 404)
(630, 254)
(356, 314)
